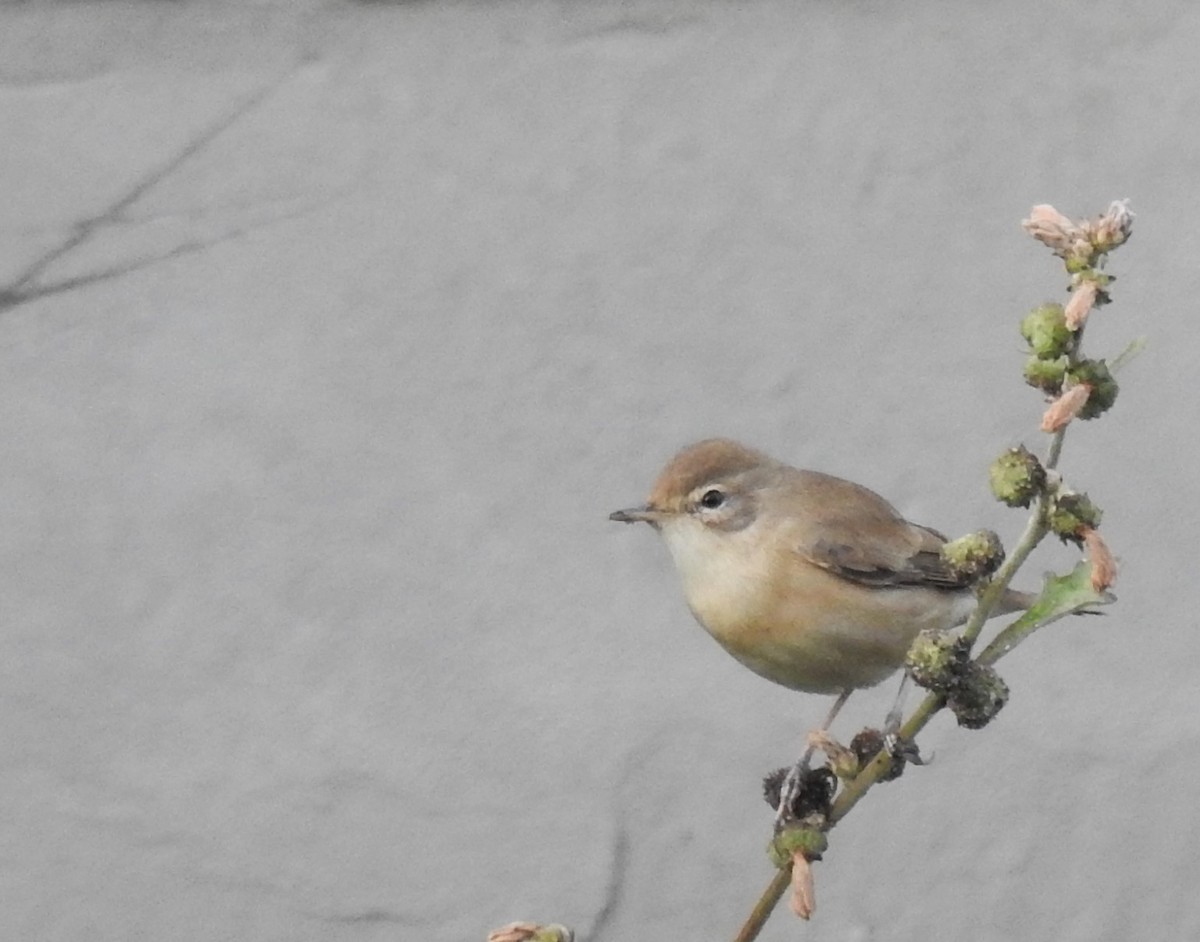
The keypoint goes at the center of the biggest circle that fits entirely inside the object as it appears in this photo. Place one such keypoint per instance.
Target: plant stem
(1055, 449)
(847, 798)
(854, 790)
(1036, 528)
(766, 904)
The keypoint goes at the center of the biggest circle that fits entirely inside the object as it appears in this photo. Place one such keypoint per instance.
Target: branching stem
(1068, 240)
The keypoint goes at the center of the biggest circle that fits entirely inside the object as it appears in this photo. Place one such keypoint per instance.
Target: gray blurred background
(333, 331)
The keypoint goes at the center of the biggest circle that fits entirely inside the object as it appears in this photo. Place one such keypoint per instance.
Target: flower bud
(974, 556)
(1096, 375)
(1111, 230)
(810, 842)
(1046, 375)
(812, 798)
(1017, 477)
(1072, 516)
(1084, 297)
(1052, 229)
(1065, 408)
(804, 896)
(1045, 329)
(935, 660)
(979, 695)
(867, 744)
(1104, 564)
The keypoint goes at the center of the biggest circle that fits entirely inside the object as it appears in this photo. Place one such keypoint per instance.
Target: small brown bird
(810, 581)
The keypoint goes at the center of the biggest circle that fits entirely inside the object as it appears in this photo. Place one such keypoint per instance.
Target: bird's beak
(646, 514)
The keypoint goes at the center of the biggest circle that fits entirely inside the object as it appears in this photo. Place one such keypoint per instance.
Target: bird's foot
(789, 790)
(843, 761)
(869, 744)
(901, 749)
(892, 722)
(904, 750)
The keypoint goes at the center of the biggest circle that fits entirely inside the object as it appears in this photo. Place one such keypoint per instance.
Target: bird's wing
(854, 533)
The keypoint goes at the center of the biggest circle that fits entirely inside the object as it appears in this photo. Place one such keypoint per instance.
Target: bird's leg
(891, 728)
(891, 725)
(795, 776)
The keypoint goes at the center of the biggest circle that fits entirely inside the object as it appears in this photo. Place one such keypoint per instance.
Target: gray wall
(314, 627)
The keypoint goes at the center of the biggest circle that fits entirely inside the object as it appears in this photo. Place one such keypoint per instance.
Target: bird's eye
(712, 499)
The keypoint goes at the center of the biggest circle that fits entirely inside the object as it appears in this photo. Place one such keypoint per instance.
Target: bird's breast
(793, 622)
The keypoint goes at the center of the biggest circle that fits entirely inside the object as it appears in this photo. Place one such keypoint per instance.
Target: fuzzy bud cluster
(975, 556)
(1072, 516)
(942, 664)
(1081, 245)
(1102, 388)
(1045, 330)
(809, 841)
(1017, 477)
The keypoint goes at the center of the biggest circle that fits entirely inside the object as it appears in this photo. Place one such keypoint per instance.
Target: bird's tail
(1013, 601)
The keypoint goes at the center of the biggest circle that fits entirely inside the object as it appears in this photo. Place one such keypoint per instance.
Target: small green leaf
(1061, 596)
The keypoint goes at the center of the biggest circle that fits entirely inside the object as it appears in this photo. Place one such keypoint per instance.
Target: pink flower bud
(1082, 300)
(1104, 564)
(1063, 409)
(1053, 229)
(804, 895)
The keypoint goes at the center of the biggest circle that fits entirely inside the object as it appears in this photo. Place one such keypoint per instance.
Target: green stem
(766, 904)
(853, 791)
(1036, 529)
(1055, 449)
(847, 798)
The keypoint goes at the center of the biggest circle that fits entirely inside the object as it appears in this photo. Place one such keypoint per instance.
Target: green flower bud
(935, 660)
(1072, 515)
(1046, 330)
(1017, 477)
(974, 556)
(1046, 375)
(978, 697)
(1104, 388)
(809, 841)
